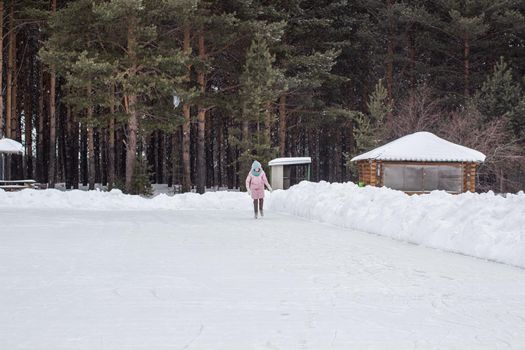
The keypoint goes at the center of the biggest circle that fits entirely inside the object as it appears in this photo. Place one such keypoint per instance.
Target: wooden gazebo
(420, 163)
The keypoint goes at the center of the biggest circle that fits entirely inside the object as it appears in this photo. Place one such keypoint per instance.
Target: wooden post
(373, 173)
(472, 182)
(464, 167)
(469, 177)
(380, 181)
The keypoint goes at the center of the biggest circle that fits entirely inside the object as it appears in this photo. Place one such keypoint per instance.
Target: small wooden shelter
(8, 147)
(287, 172)
(420, 163)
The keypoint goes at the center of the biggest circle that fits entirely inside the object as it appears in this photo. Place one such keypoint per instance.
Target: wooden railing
(16, 185)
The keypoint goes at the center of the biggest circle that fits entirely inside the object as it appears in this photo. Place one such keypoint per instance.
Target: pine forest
(129, 93)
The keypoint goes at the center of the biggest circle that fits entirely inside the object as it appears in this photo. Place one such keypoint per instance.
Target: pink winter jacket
(256, 184)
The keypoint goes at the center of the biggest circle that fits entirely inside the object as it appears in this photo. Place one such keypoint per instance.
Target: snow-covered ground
(106, 271)
(486, 225)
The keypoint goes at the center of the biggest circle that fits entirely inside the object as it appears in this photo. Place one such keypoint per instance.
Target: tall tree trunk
(165, 158)
(90, 143)
(1, 68)
(501, 181)
(9, 77)
(28, 121)
(222, 151)
(349, 143)
(52, 117)
(75, 148)
(131, 103)
(9, 95)
(317, 155)
(186, 139)
(311, 152)
(216, 150)
(201, 122)
(282, 125)
(52, 129)
(233, 158)
(338, 156)
(99, 161)
(466, 63)
(16, 134)
(390, 57)
(169, 168)
(244, 166)
(268, 123)
(120, 154)
(83, 156)
(411, 56)
(15, 122)
(175, 157)
(40, 156)
(61, 171)
(131, 149)
(69, 148)
(186, 127)
(157, 149)
(111, 140)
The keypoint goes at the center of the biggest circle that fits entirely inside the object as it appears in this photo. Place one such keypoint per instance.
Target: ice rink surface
(218, 279)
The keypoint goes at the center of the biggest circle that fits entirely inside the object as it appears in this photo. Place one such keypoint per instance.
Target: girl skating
(255, 182)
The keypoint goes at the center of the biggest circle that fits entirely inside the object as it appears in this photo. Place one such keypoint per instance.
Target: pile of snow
(484, 225)
(116, 200)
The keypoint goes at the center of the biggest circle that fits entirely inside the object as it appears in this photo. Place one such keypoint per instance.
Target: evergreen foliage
(90, 85)
(257, 91)
(502, 96)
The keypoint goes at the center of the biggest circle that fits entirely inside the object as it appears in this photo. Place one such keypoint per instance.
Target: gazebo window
(422, 178)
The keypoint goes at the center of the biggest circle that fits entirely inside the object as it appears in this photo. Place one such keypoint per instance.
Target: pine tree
(370, 129)
(465, 37)
(258, 82)
(502, 96)
(87, 89)
(145, 71)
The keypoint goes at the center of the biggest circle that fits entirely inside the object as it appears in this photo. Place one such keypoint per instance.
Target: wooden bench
(16, 185)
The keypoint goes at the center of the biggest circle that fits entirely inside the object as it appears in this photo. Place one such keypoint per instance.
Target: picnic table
(16, 185)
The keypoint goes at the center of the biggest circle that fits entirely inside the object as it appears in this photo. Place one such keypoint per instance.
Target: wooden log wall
(469, 177)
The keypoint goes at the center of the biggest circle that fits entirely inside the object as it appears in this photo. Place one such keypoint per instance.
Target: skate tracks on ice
(79, 279)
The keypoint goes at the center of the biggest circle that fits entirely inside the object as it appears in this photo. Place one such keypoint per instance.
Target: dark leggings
(261, 202)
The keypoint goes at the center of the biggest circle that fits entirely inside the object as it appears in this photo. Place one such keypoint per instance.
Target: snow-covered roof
(11, 146)
(290, 161)
(423, 147)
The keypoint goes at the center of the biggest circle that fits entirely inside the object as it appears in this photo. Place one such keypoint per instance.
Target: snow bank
(116, 200)
(481, 225)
